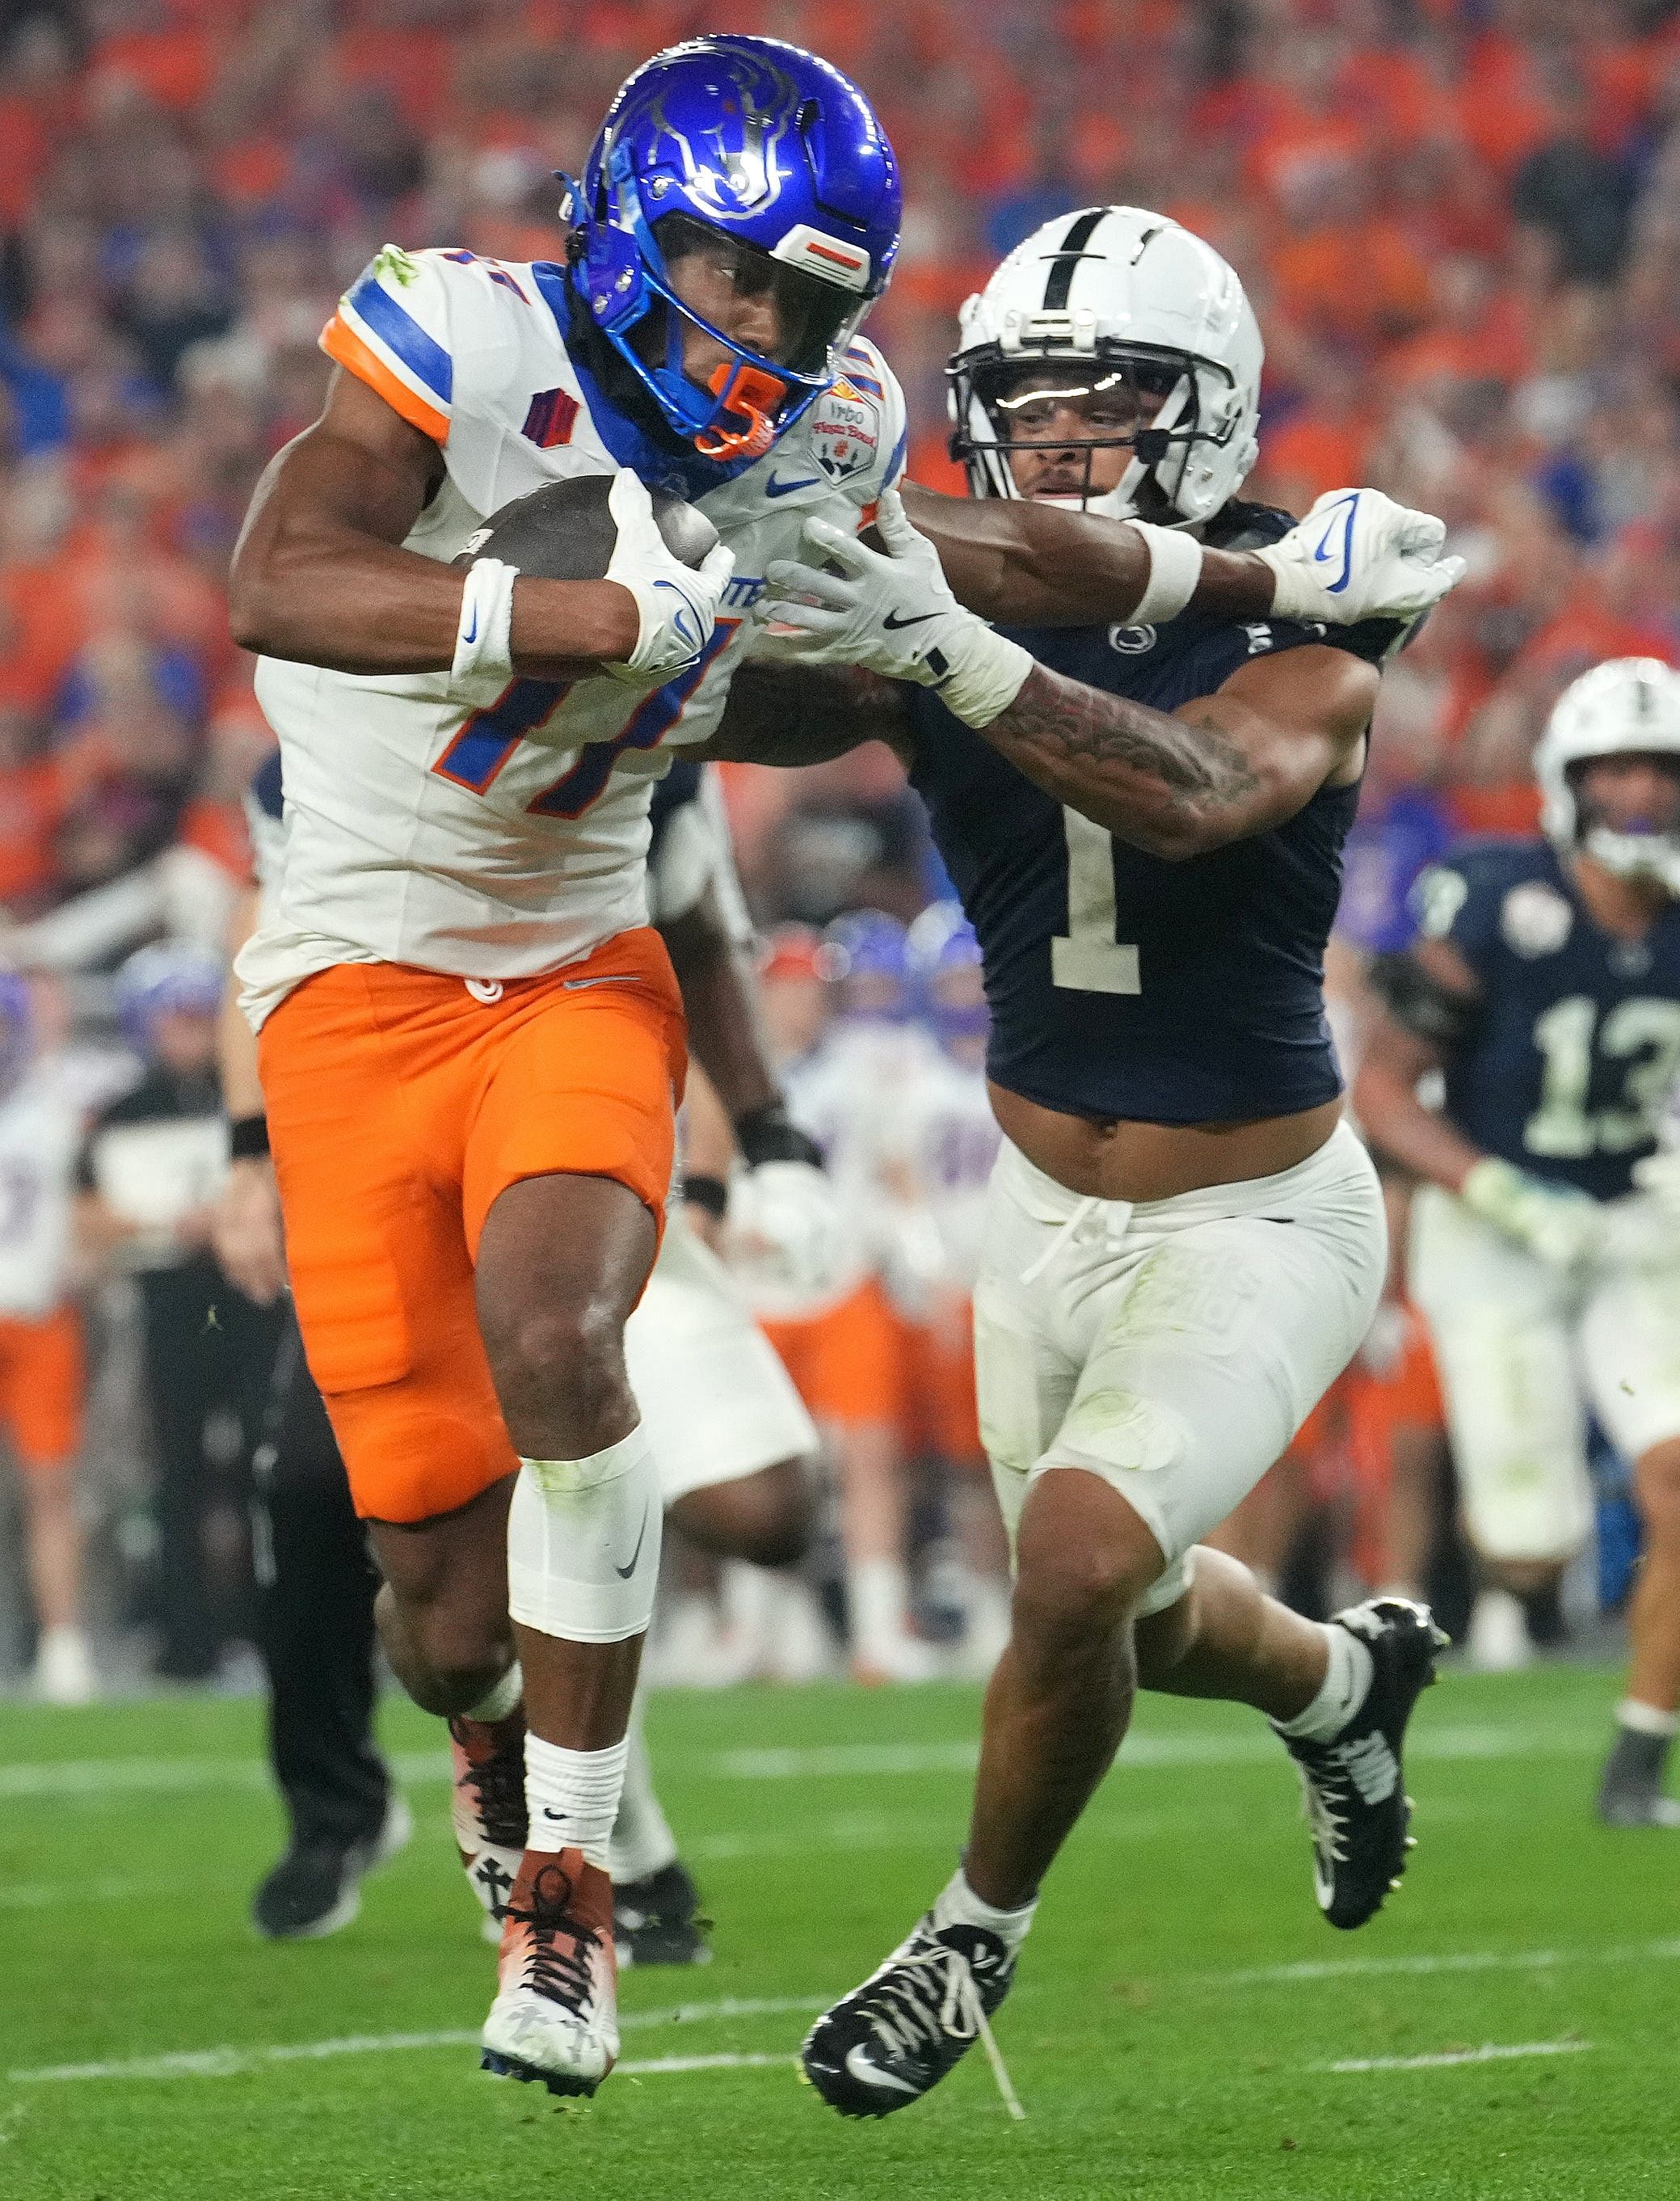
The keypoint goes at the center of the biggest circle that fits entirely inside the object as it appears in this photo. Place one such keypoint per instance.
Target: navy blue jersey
(1575, 1045)
(1121, 985)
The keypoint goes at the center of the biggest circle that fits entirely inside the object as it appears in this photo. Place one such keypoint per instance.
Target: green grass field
(1174, 2031)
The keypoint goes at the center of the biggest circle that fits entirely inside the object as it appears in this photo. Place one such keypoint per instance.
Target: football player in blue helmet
(866, 958)
(728, 172)
(167, 996)
(945, 962)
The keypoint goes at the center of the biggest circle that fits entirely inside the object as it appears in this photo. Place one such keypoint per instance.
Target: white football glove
(1360, 556)
(1660, 1175)
(677, 604)
(1559, 1226)
(784, 1222)
(894, 614)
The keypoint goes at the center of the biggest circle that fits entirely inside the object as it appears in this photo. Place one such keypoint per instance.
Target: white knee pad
(583, 1543)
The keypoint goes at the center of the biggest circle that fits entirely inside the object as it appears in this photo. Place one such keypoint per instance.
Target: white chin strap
(1635, 855)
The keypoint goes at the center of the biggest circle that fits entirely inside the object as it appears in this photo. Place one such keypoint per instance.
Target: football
(565, 530)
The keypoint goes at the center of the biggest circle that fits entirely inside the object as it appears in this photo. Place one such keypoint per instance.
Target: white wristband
(985, 678)
(484, 637)
(1174, 569)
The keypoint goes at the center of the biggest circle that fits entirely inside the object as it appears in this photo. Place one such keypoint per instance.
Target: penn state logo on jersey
(1535, 919)
(1132, 641)
(846, 430)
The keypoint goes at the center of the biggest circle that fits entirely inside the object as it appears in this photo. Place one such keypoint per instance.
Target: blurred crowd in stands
(1459, 222)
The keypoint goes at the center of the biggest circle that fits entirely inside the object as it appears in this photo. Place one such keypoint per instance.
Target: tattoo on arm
(1151, 779)
(784, 714)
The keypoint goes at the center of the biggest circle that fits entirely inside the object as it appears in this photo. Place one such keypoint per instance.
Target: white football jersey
(40, 1136)
(842, 1095)
(937, 1149)
(505, 837)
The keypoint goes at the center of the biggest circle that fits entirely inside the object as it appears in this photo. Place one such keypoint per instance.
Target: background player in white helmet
(1545, 1251)
(1143, 820)
(41, 1358)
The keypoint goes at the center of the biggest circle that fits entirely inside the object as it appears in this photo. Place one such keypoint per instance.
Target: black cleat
(1358, 1811)
(883, 2046)
(1631, 1790)
(657, 1920)
(316, 1886)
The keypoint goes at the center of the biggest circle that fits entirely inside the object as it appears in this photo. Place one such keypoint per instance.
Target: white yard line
(1488, 2053)
(1454, 1960)
(230, 2060)
(96, 1779)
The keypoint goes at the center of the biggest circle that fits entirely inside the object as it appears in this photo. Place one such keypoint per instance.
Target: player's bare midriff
(1118, 1159)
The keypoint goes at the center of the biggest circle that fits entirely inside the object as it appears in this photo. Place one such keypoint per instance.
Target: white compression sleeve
(583, 1543)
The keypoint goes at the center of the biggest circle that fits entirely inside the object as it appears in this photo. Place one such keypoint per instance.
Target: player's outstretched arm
(1227, 766)
(1431, 999)
(1356, 555)
(793, 714)
(319, 574)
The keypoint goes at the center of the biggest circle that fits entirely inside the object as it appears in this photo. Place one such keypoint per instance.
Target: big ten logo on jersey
(845, 424)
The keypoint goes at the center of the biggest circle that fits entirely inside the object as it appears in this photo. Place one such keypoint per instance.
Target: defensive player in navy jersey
(1186, 1244)
(1545, 989)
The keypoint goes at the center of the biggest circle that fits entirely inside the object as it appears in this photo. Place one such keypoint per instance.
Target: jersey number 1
(1087, 959)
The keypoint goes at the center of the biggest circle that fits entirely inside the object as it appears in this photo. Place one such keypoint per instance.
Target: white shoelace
(962, 2014)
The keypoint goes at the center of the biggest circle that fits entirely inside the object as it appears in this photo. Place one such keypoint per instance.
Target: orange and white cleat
(488, 1809)
(555, 2017)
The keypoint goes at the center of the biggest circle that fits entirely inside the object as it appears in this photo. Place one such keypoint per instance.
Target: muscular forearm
(1171, 786)
(339, 599)
(795, 714)
(723, 1028)
(1035, 564)
(1397, 1123)
(319, 574)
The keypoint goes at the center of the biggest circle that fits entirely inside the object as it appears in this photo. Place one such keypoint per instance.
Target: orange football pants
(401, 1103)
(43, 1383)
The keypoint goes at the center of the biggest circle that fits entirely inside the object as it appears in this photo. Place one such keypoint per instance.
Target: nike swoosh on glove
(1359, 555)
(676, 605)
(893, 614)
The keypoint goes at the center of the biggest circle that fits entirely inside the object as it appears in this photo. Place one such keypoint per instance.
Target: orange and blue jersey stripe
(379, 341)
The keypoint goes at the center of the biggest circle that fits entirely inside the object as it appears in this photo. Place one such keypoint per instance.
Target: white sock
(498, 1703)
(956, 1904)
(642, 1841)
(878, 1595)
(1648, 1719)
(1346, 1681)
(573, 1796)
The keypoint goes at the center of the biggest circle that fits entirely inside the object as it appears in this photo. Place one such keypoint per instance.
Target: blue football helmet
(17, 1028)
(170, 977)
(944, 963)
(769, 162)
(863, 954)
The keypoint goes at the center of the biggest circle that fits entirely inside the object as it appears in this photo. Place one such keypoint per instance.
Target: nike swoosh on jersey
(869, 2074)
(614, 978)
(625, 1572)
(918, 619)
(774, 487)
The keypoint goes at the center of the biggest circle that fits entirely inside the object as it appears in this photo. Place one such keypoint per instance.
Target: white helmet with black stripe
(1627, 707)
(1140, 300)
